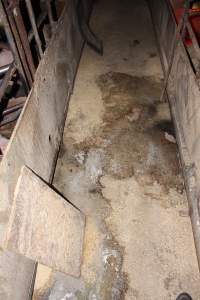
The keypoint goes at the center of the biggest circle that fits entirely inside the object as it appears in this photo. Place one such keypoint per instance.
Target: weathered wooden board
(36, 138)
(44, 227)
(183, 84)
(183, 92)
(17, 272)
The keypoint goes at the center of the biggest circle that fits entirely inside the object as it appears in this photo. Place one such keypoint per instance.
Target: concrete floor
(119, 165)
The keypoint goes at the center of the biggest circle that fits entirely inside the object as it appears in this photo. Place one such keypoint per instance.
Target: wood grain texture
(36, 138)
(183, 92)
(183, 85)
(44, 227)
(17, 272)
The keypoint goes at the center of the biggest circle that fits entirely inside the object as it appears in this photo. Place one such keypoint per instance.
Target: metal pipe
(10, 118)
(12, 109)
(6, 80)
(40, 20)
(4, 69)
(33, 23)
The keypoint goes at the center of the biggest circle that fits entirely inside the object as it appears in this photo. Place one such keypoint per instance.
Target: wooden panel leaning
(45, 227)
(36, 139)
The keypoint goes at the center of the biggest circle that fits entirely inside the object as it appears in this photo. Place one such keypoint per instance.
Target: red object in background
(194, 21)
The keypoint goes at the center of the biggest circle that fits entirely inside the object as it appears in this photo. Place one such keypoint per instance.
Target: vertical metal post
(50, 15)
(34, 26)
(18, 42)
(23, 35)
(8, 76)
(11, 41)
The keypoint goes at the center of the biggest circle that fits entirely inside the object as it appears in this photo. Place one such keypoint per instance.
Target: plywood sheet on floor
(44, 227)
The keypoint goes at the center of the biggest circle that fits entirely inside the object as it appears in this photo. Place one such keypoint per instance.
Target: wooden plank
(17, 272)
(36, 138)
(183, 94)
(45, 227)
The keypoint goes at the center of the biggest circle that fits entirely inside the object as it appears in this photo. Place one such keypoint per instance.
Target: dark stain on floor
(133, 134)
(132, 140)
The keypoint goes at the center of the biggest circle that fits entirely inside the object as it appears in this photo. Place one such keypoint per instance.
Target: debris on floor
(170, 138)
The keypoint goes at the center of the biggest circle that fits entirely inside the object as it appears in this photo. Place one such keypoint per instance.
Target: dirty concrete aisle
(119, 167)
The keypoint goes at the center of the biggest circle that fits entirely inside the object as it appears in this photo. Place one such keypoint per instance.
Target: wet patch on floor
(122, 94)
(132, 137)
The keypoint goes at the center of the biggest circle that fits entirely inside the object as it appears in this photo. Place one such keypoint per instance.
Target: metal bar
(50, 15)
(196, 49)
(6, 80)
(193, 38)
(12, 109)
(10, 117)
(23, 35)
(4, 69)
(18, 44)
(11, 41)
(40, 20)
(33, 23)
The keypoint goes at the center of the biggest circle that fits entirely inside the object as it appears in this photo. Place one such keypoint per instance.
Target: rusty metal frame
(34, 26)
(14, 11)
(15, 51)
(19, 39)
